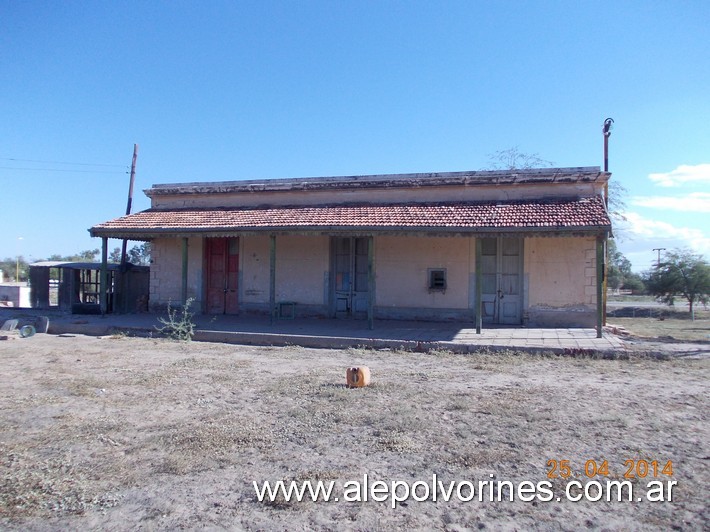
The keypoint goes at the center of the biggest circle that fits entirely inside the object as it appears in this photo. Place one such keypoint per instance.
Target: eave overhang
(572, 216)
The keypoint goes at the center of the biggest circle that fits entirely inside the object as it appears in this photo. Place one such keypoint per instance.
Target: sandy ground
(126, 433)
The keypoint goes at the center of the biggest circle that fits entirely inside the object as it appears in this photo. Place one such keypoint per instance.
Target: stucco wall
(559, 276)
(414, 194)
(401, 265)
(166, 271)
(302, 263)
(561, 281)
(254, 266)
(301, 268)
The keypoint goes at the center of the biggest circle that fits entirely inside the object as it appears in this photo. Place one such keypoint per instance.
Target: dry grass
(667, 324)
(156, 434)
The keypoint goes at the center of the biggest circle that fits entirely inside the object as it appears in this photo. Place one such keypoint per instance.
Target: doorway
(501, 268)
(350, 286)
(222, 268)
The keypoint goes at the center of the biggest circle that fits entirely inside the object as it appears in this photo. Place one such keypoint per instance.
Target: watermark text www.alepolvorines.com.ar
(396, 492)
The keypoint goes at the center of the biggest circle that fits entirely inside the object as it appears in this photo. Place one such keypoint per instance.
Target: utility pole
(658, 264)
(17, 260)
(124, 247)
(124, 258)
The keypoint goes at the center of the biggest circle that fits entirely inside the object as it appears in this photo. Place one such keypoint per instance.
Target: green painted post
(272, 279)
(600, 285)
(103, 278)
(184, 271)
(370, 283)
(479, 285)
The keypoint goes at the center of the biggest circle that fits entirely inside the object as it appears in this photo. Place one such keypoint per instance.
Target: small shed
(76, 287)
(14, 294)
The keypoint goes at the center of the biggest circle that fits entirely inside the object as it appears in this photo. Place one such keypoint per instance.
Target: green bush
(179, 324)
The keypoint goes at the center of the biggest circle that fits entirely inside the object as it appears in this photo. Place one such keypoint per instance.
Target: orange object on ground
(357, 377)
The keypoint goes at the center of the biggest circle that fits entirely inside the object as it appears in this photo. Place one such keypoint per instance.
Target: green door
(350, 281)
(501, 294)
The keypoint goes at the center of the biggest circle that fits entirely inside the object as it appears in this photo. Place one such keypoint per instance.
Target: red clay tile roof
(587, 214)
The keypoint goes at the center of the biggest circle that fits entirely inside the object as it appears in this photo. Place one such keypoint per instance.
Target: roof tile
(568, 214)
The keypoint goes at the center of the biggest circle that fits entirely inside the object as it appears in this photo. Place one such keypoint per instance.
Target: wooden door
(501, 294)
(351, 282)
(222, 268)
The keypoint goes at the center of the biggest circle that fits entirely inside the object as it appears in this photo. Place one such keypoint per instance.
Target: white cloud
(685, 173)
(656, 233)
(693, 202)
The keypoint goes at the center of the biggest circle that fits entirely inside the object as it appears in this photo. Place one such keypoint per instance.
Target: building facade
(520, 247)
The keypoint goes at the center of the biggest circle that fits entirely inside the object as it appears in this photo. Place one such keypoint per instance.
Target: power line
(62, 170)
(61, 162)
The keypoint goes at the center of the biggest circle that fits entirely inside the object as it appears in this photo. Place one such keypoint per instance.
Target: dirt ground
(127, 433)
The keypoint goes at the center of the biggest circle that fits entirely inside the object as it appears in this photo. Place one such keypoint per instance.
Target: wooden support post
(600, 285)
(370, 283)
(183, 293)
(272, 279)
(605, 288)
(103, 277)
(479, 285)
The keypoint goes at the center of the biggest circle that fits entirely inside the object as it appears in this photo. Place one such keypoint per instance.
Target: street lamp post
(17, 260)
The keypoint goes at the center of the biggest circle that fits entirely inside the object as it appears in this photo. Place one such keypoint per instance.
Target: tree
(618, 272)
(514, 159)
(617, 201)
(88, 255)
(140, 254)
(634, 282)
(115, 255)
(681, 273)
(12, 266)
(618, 266)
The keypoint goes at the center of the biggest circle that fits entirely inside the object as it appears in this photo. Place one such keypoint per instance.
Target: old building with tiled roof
(517, 247)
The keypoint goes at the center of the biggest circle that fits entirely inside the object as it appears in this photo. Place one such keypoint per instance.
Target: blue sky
(217, 90)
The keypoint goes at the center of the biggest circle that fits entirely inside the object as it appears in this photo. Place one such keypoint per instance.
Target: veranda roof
(559, 216)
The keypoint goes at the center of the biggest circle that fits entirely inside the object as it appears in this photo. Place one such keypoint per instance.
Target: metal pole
(479, 286)
(607, 133)
(600, 284)
(606, 128)
(272, 279)
(103, 279)
(184, 271)
(370, 283)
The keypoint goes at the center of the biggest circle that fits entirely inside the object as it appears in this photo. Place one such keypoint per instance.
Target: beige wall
(254, 265)
(401, 264)
(559, 274)
(166, 271)
(302, 264)
(561, 271)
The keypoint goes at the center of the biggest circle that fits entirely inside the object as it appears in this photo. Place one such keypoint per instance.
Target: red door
(222, 267)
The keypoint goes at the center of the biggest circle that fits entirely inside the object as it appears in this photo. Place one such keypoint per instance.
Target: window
(437, 279)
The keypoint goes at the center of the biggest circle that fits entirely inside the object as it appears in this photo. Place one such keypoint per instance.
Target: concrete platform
(326, 333)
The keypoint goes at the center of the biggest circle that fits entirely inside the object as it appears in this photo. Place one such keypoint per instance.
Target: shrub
(179, 324)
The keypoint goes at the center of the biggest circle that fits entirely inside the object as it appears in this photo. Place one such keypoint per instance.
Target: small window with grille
(437, 279)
